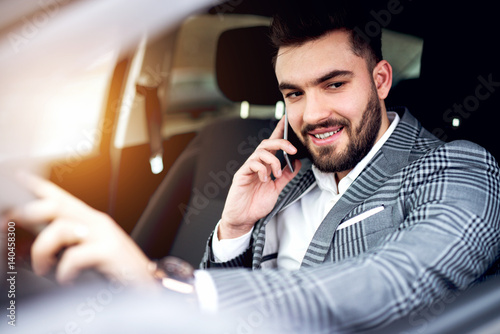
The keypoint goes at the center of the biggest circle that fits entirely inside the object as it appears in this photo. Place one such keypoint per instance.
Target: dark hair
(299, 22)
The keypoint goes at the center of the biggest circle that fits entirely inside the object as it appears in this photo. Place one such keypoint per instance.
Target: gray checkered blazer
(438, 231)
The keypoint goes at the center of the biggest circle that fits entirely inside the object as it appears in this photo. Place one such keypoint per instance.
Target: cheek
(353, 106)
(295, 122)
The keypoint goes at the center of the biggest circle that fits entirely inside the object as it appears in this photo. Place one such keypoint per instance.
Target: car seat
(188, 203)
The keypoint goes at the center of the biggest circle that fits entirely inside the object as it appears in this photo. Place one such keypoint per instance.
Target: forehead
(314, 58)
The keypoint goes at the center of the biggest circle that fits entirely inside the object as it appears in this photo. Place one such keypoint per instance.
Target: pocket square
(360, 217)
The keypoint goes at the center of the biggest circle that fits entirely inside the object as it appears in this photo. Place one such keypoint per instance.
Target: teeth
(326, 134)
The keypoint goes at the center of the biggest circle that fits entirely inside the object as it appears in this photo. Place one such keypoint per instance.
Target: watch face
(177, 269)
(176, 275)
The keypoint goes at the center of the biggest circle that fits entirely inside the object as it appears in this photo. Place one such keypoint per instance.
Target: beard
(361, 140)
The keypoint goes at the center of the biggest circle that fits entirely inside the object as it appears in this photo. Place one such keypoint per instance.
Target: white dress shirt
(290, 232)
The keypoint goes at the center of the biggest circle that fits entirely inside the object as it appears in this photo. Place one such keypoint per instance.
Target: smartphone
(285, 136)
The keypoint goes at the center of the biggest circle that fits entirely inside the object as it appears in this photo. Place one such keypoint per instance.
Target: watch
(174, 274)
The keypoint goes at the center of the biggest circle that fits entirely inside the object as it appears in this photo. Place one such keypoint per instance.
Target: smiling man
(335, 106)
(334, 84)
(381, 220)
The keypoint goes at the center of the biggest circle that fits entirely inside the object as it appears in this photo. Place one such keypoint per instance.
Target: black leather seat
(188, 204)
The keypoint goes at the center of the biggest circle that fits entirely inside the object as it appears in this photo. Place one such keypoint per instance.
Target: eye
(293, 95)
(336, 85)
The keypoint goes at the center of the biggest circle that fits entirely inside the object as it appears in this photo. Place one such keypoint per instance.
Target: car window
(404, 53)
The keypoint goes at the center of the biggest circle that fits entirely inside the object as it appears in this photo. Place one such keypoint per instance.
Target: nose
(316, 109)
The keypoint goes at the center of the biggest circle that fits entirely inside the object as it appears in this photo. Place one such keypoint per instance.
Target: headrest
(244, 66)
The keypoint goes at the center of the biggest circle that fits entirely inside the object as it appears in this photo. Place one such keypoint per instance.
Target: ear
(382, 76)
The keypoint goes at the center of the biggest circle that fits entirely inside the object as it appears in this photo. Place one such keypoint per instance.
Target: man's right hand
(253, 193)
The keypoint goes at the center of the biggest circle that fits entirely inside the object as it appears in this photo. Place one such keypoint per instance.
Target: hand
(253, 193)
(87, 238)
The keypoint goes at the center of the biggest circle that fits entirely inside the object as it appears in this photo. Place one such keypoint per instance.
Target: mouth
(325, 136)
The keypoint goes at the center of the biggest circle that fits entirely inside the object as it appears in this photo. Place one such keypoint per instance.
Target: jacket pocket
(358, 234)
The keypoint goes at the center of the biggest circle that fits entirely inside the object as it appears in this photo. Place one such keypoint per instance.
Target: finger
(273, 145)
(279, 130)
(75, 260)
(35, 212)
(52, 240)
(256, 167)
(270, 160)
(39, 186)
(53, 203)
(288, 175)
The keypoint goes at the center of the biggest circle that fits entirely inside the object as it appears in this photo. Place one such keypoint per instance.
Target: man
(385, 221)
(327, 112)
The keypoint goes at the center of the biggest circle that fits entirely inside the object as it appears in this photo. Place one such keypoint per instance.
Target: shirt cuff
(205, 292)
(227, 249)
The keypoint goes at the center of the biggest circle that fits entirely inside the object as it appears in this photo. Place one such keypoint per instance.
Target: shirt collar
(326, 181)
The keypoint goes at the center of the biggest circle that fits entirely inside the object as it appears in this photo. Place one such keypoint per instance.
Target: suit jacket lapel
(391, 158)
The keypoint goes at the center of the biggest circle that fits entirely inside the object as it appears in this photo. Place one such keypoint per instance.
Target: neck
(340, 175)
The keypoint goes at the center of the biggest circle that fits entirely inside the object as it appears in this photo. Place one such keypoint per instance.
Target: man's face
(331, 100)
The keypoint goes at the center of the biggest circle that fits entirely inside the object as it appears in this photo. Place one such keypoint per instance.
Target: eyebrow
(328, 76)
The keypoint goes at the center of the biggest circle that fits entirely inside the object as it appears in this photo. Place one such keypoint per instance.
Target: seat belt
(154, 121)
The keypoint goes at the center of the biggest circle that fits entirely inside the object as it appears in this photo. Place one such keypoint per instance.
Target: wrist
(227, 231)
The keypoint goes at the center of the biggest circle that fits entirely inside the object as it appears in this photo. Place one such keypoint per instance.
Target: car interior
(155, 141)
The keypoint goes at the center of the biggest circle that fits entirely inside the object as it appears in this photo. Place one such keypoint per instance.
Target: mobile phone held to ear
(285, 136)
